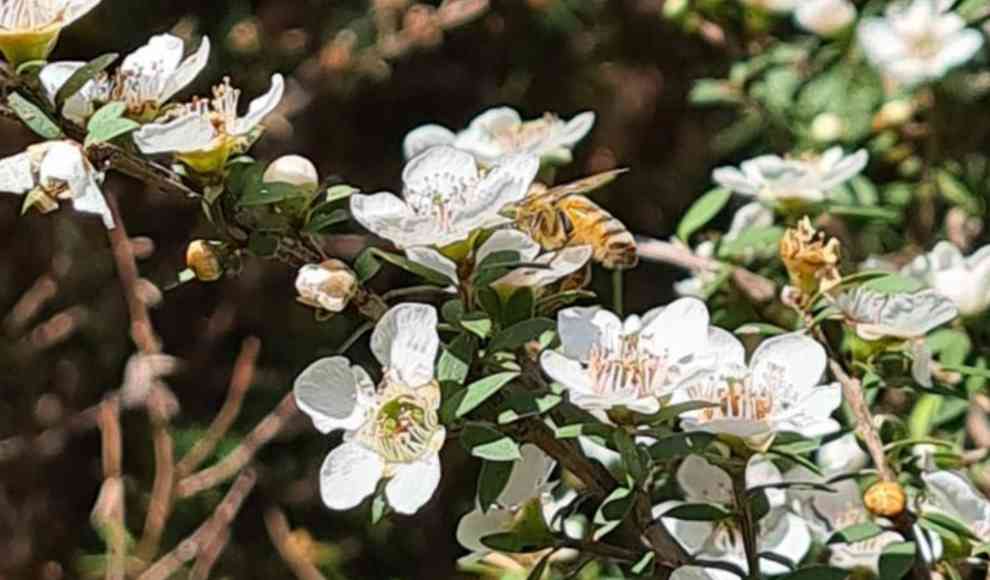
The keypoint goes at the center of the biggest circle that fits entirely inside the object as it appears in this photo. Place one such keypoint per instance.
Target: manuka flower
(918, 41)
(145, 81)
(606, 363)
(29, 29)
(206, 132)
(773, 179)
(446, 198)
(778, 392)
(825, 17)
(52, 171)
(391, 431)
(963, 280)
(501, 132)
(558, 264)
(950, 493)
(781, 533)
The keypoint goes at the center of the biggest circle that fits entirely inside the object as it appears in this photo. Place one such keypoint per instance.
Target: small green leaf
(366, 266)
(339, 192)
(481, 390)
(455, 360)
(541, 567)
(30, 65)
(702, 212)
(612, 511)
(477, 323)
(321, 221)
(108, 123)
(893, 284)
(751, 242)
(949, 523)
(698, 512)
(410, 266)
(896, 560)
(83, 75)
(855, 533)
(671, 412)
(492, 478)
(262, 193)
(526, 404)
(514, 543)
(636, 467)
(488, 443)
(519, 334)
(519, 306)
(869, 213)
(33, 117)
(680, 445)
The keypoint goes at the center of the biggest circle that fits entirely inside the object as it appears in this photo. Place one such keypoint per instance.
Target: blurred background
(363, 73)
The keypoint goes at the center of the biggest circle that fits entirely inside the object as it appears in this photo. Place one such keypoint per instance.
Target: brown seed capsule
(203, 258)
(885, 498)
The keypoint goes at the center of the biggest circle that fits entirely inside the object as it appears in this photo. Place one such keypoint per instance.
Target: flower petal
(508, 241)
(187, 71)
(529, 476)
(91, 200)
(679, 329)
(477, 524)
(332, 394)
(181, 135)
(505, 183)
(435, 261)
(385, 215)
(422, 138)
(576, 129)
(566, 371)
(16, 175)
(439, 171)
(76, 9)
(405, 341)
(580, 328)
(157, 59)
(797, 360)
(349, 474)
(952, 493)
(703, 482)
(413, 484)
(260, 107)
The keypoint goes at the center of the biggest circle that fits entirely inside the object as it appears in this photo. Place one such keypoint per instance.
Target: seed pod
(329, 285)
(885, 498)
(203, 258)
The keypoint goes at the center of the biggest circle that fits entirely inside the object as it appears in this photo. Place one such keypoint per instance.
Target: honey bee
(561, 216)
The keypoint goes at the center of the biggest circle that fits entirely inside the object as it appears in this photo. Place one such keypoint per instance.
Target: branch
(852, 392)
(108, 513)
(281, 536)
(207, 533)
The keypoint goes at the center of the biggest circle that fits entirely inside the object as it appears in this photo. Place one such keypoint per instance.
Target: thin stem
(748, 527)
(617, 291)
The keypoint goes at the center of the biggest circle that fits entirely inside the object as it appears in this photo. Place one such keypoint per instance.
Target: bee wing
(584, 185)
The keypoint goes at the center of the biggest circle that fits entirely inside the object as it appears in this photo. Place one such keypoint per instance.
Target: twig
(160, 505)
(30, 303)
(281, 536)
(108, 513)
(852, 392)
(206, 533)
(263, 432)
(240, 381)
(209, 555)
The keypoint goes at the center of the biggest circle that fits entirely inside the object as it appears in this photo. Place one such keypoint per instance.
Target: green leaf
(756, 241)
(481, 390)
(816, 573)
(680, 445)
(698, 512)
(955, 192)
(526, 404)
(366, 266)
(492, 478)
(702, 212)
(322, 221)
(519, 334)
(488, 443)
(855, 533)
(671, 412)
(514, 543)
(896, 560)
(519, 306)
(33, 117)
(541, 567)
(83, 75)
(644, 566)
(612, 511)
(30, 65)
(714, 92)
(266, 193)
(109, 123)
(263, 245)
(477, 323)
(339, 192)
(950, 523)
(869, 213)
(379, 508)
(630, 453)
(455, 360)
(967, 370)
(410, 266)
(760, 329)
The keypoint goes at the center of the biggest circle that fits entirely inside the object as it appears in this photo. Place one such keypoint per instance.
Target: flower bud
(885, 498)
(203, 258)
(329, 285)
(893, 114)
(295, 170)
(827, 127)
(824, 17)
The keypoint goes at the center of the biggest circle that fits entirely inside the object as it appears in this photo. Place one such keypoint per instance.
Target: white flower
(825, 17)
(774, 179)
(875, 315)
(146, 80)
(29, 29)
(52, 171)
(952, 494)
(527, 483)
(964, 280)
(842, 455)
(781, 532)
(501, 132)
(778, 391)
(204, 133)
(447, 198)
(559, 264)
(918, 42)
(390, 432)
(605, 362)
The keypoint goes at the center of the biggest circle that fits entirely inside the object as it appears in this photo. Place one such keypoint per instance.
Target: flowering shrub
(809, 409)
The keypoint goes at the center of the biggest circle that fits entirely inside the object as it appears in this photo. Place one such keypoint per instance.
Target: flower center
(628, 368)
(29, 14)
(139, 89)
(925, 46)
(404, 429)
(736, 398)
(439, 196)
(727, 537)
(221, 109)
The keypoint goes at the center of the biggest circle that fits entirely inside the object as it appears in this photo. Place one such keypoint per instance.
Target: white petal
(689, 534)
(54, 75)
(761, 471)
(158, 58)
(960, 48)
(790, 539)
(476, 525)
(439, 171)
(332, 395)
(566, 371)
(692, 573)
(181, 135)
(405, 341)
(529, 476)
(580, 328)
(810, 416)
(260, 107)
(800, 359)
(384, 214)
(187, 71)
(562, 263)
(435, 261)
(349, 474)
(751, 215)
(92, 201)
(952, 493)
(733, 179)
(76, 9)
(508, 241)
(724, 348)
(413, 484)
(576, 129)
(842, 455)
(703, 482)
(64, 164)
(16, 175)
(921, 365)
(845, 170)
(507, 182)
(422, 138)
(680, 329)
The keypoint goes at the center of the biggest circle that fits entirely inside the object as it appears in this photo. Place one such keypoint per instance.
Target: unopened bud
(827, 127)
(893, 114)
(329, 285)
(293, 169)
(203, 258)
(885, 498)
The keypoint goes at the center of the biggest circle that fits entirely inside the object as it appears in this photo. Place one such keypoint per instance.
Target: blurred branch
(240, 381)
(281, 536)
(207, 533)
(108, 513)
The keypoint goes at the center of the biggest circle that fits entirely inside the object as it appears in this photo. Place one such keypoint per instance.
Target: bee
(561, 216)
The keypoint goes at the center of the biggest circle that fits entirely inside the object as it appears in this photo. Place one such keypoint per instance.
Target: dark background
(618, 58)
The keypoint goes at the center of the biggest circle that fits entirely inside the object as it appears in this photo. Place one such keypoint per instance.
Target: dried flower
(811, 260)
(329, 285)
(203, 258)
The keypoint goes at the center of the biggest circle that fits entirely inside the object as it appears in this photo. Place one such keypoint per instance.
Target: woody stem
(748, 527)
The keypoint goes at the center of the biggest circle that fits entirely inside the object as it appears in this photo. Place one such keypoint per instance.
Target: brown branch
(108, 513)
(227, 468)
(160, 505)
(209, 555)
(281, 536)
(852, 392)
(240, 381)
(30, 303)
(207, 533)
